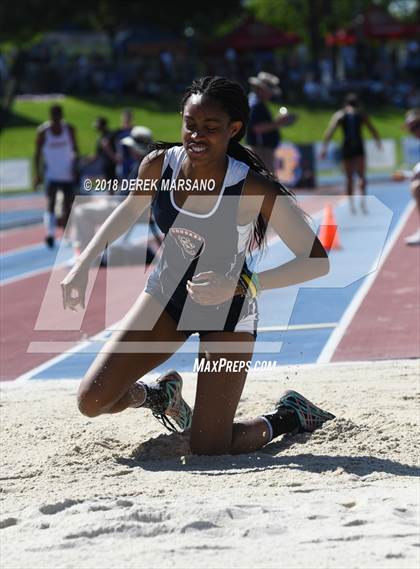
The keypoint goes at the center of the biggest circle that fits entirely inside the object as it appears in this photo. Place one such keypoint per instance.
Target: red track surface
(387, 323)
(23, 203)
(22, 302)
(22, 237)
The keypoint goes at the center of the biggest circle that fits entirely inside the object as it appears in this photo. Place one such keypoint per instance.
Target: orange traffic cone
(328, 231)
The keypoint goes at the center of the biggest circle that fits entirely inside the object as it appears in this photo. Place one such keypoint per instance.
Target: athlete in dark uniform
(201, 282)
(211, 241)
(104, 151)
(351, 119)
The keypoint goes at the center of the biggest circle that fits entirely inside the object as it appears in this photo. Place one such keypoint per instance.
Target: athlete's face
(206, 129)
(56, 114)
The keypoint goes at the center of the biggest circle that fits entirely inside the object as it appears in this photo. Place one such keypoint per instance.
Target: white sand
(115, 492)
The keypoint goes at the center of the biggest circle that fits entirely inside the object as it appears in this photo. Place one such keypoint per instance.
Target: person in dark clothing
(201, 282)
(104, 151)
(263, 134)
(351, 118)
(124, 160)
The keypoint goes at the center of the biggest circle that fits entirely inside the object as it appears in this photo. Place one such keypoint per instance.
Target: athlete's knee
(209, 450)
(87, 407)
(88, 402)
(209, 446)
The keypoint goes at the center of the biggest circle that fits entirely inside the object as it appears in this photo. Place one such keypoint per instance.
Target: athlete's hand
(76, 280)
(210, 288)
(37, 182)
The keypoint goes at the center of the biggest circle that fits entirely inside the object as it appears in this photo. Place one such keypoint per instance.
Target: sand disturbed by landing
(118, 492)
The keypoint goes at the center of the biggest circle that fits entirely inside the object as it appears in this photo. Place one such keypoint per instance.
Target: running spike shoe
(164, 399)
(310, 416)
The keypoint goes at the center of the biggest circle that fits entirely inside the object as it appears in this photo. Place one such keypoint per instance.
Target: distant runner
(351, 118)
(55, 160)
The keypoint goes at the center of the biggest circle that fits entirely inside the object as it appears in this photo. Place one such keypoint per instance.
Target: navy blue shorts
(355, 151)
(238, 319)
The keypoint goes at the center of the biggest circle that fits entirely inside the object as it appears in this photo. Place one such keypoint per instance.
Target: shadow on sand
(170, 452)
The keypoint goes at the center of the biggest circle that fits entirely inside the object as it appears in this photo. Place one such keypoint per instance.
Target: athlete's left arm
(373, 131)
(285, 217)
(73, 137)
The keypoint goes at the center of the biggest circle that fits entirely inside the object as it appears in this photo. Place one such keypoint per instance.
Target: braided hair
(232, 99)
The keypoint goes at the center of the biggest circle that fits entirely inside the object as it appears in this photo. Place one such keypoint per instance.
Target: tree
(21, 20)
(312, 19)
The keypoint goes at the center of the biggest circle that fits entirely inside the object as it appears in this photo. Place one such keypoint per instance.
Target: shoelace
(165, 421)
(157, 402)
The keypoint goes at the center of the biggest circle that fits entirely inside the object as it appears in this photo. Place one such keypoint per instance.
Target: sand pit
(118, 492)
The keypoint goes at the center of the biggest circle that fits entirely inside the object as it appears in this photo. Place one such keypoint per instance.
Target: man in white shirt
(55, 159)
(88, 216)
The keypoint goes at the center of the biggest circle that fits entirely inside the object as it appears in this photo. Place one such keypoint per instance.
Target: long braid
(233, 100)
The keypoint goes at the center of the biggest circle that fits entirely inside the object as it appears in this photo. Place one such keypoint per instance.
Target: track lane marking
(338, 333)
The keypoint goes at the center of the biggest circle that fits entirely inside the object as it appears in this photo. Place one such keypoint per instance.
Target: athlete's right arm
(332, 127)
(127, 212)
(121, 219)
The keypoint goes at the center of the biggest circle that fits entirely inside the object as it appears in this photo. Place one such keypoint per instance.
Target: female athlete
(201, 282)
(351, 118)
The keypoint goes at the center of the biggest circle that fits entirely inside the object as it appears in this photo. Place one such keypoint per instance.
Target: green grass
(17, 139)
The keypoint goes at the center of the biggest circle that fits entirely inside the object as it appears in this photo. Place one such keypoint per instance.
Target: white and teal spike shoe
(309, 415)
(164, 399)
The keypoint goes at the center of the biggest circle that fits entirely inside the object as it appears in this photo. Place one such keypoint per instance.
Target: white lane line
(33, 273)
(74, 350)
(12, 230)
(23, 249)
(315, 326)
(335, 338)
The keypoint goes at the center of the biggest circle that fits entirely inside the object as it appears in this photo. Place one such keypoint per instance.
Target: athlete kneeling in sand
(201, 282)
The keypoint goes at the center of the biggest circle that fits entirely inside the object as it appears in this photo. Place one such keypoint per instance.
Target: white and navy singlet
(200, 242)
(58, 154)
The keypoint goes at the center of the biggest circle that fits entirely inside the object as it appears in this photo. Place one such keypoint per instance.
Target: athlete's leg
(68, 196)
(360, 168)
(349, 169)
(50, 221)
(49, 215)
(105, 388)
(218, 392)
(51, 193)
